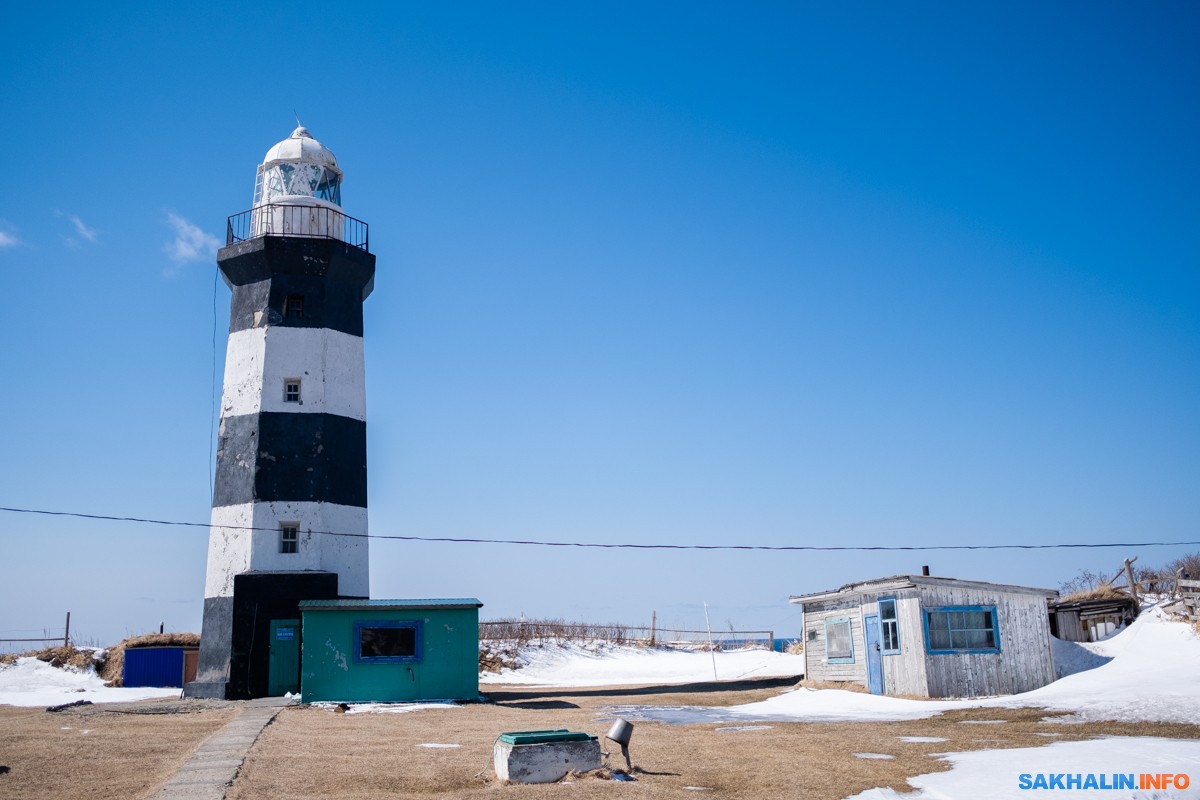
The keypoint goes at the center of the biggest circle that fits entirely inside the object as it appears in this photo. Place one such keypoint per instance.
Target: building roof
(334, 605)
(880, 585)
(1096, 604)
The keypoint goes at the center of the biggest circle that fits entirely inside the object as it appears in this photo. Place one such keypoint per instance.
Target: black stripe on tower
(332, 277)
(273, 456)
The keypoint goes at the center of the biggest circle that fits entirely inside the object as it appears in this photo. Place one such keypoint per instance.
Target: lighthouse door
(284, 669)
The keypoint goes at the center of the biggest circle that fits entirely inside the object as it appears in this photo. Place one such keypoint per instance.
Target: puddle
(672, 715)
(921, 739)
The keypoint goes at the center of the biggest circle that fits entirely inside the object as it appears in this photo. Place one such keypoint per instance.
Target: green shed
(363, 651)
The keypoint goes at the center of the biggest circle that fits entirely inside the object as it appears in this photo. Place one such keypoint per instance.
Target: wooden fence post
(67, 631)
(1133, 592)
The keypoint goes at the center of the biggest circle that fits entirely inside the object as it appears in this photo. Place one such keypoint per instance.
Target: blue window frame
(387, 641)
(839, 641)
(889, 626)
(961, 629)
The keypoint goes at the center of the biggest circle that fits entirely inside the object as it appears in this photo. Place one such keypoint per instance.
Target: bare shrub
(60, 656)
(559, 631)
(1084, 581)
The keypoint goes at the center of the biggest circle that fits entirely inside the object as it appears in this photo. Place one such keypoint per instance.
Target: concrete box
(544, 763)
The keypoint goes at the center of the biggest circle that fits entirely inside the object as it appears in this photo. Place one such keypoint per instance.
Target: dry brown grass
(1102, 592)
(59, 656)
(786, 760)
(96, 751)
(112, 668)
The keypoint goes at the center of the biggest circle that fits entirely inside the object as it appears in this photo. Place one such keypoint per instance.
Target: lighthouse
(289, 506)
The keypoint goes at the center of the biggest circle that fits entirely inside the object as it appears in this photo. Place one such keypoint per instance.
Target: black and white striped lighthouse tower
(292, 454)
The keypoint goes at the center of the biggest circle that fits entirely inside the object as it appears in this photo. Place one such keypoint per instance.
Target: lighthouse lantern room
(289, 508)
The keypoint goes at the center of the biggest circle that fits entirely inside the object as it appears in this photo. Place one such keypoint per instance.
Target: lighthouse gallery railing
(315, 222)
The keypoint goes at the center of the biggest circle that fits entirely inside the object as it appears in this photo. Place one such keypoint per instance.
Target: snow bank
(29, 682)
(602, 664)
(1152, 674)
(995, 774)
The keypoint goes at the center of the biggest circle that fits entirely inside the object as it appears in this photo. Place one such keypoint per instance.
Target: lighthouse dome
(298, 167)
(301, 146)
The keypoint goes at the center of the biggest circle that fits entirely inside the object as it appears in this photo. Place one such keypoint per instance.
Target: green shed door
(284, 674)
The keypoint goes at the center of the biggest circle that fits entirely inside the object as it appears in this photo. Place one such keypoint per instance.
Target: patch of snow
(996, 774)
(1073, 657)
(574, 664)
(923, 739)
(29, 682)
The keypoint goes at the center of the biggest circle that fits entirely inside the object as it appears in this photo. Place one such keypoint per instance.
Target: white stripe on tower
(329, 365)
(331, 538)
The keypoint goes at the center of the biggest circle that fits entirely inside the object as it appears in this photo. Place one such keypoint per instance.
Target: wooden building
(389, 650)
(1090, 619)
(929, 637)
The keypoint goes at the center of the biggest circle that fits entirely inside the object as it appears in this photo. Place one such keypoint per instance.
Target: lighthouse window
(291, 390)
(293, 306)
(289, 537)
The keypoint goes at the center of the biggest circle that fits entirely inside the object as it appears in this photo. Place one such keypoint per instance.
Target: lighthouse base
(235, 641)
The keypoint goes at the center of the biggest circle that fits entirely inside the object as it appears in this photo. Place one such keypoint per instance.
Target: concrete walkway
(214, 765)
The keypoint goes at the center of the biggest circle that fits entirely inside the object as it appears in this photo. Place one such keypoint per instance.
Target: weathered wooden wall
(1069, 627)
(1024, 662)
(904, 673)
(817, 666)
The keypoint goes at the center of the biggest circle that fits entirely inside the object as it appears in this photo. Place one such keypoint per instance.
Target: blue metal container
(154, 666)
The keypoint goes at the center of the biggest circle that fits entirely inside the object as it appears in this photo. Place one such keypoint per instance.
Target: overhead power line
(613, 545)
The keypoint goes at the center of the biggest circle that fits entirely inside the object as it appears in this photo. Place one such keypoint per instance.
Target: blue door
(874, 658)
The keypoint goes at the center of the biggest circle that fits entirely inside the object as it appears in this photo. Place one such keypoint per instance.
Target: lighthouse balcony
(312, 219)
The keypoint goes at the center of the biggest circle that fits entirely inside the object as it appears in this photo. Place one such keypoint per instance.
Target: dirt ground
(101, 751)
(318, 753)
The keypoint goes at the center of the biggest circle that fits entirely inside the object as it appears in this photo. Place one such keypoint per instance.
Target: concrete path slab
(211, 769)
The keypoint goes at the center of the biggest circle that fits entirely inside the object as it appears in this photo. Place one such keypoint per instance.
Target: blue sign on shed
(159, 666)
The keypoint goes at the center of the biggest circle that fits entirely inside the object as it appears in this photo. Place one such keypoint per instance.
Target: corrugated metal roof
(452, 602)
(906, 581)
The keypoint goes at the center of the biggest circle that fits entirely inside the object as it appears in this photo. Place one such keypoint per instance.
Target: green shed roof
(545, 737)
(333, 605)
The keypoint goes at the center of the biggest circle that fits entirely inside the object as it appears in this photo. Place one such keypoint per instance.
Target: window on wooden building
(839, 646)
(889, 626)
(289, 537)
(962, 629)
(387, 641)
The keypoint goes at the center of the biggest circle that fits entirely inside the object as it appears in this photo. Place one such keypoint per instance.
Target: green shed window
(387, 641)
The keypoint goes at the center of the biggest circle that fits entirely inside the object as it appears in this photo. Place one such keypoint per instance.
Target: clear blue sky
(868, 274)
